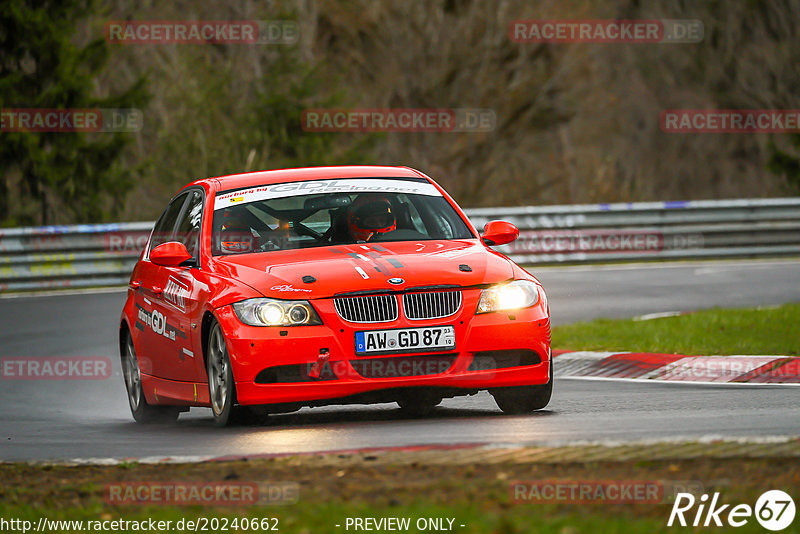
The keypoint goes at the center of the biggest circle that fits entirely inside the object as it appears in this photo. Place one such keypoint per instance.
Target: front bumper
(254, 351)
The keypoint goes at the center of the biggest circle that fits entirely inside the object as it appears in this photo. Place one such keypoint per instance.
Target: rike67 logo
(774, 510)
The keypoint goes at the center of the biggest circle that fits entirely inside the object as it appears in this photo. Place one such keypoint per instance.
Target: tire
(142, 411)
(221, 387)
(418, 404)
(524, 399)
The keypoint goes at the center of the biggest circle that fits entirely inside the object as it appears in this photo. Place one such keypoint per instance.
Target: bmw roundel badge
(396, 281)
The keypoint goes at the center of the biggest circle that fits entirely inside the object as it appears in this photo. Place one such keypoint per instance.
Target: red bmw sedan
(269, 291)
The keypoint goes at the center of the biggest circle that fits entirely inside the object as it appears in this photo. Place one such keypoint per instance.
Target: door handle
(157, 290)
(134, 284)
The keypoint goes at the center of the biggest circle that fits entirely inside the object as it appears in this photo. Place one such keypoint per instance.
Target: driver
(370, 215)
(235, 236)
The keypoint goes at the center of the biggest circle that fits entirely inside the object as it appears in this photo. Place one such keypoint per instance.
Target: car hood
(366, 267)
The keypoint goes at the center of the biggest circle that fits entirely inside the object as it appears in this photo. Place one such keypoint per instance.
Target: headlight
(272, 312)
(509, 296)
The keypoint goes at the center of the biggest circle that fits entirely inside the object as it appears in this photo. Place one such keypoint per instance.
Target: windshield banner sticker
(353, 185)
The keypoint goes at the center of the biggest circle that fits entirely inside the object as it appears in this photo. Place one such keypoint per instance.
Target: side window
(188, 231)
(163, 230)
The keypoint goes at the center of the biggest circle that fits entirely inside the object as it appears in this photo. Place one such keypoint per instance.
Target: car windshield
(332, 212)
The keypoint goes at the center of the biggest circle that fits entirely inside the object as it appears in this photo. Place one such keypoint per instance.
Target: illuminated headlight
(509, 296)
(271, 312)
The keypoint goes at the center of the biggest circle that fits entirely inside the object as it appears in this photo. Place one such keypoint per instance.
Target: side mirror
(499, 233)
(170, 254)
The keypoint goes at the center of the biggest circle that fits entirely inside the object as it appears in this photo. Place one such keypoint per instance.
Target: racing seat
(403, 214)
(338, 230)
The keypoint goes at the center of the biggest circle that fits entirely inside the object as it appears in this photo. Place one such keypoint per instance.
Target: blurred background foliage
(575, 122)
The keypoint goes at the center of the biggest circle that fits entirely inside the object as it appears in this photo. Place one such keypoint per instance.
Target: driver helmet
(369, 215)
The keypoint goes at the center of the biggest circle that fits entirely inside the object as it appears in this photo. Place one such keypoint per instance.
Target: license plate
(406, 340)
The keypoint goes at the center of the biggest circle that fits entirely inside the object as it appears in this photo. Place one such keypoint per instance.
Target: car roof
(252, 179)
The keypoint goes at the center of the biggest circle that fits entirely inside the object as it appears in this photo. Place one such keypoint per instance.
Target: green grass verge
(475, 495)
(772, 330)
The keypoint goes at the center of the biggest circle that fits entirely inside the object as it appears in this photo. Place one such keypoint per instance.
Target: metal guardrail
(650, 230)
(77, 256)
(103, 255)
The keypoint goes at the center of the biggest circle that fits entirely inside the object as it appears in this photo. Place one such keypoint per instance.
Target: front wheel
(221, 389)
(142, 411)
(524, 399)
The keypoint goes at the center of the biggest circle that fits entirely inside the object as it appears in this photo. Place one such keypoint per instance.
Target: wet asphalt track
(90, 419)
